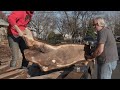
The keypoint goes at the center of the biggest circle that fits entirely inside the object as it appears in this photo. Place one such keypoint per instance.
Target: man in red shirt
(18, 21)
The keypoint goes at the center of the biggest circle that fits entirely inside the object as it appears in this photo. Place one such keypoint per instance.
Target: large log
(50, 57)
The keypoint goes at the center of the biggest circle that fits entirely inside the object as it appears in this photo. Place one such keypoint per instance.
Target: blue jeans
(17, 46)
(105, 70)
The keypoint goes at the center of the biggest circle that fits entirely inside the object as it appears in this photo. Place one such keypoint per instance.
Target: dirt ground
(5, 56)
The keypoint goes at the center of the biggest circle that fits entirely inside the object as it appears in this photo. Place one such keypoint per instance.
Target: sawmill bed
(80, 70)
(72, 72)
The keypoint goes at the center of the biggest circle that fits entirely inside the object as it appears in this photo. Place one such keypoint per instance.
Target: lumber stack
(12, 73)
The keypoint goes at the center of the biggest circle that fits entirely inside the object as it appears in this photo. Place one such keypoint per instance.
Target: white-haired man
(106, 52)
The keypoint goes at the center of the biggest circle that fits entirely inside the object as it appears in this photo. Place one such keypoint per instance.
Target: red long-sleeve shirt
(19, 18)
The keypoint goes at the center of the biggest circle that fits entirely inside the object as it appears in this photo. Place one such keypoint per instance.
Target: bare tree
(110, 20)
(3, 16)
(86, 16)
(117, 24)
(43, 22)
(113, 21)
(74, 22)
(68, 22)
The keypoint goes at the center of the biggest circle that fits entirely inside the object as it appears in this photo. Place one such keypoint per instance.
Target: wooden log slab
(57, 57)
(50, 57)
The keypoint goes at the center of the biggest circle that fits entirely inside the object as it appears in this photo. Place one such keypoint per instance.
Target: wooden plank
(53, 75)
(11, 69)
(64, 74)
(91, 70)
(11, 74)
(4, 62)
(22, 75)
(4, 68)
(74, 75)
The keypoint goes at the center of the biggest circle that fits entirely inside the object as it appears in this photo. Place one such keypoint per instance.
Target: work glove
(20, 34)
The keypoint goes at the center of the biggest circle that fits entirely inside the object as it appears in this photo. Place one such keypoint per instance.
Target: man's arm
(18, 30)
(13, 18)
(97, 52)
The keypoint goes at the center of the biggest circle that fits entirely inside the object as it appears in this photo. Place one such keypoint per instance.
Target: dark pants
(17, 46)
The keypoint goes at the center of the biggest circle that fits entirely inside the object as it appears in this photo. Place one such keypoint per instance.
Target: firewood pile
(12, 73)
